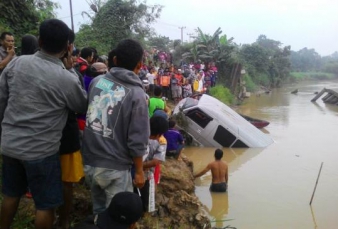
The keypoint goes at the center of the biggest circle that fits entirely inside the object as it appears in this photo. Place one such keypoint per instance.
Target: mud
(176, 203)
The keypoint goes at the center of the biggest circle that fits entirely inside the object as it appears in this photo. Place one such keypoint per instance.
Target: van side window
(198, 116)
(224, 137)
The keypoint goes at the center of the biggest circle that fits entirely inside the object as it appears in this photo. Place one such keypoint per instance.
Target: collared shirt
(36, 92)
(3, 53)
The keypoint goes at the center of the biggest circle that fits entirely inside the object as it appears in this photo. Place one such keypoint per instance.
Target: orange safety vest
(165, 81)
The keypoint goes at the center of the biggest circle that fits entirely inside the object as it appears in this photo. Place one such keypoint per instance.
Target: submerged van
(212, 123)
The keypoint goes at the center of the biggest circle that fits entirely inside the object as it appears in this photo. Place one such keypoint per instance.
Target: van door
(226, 139)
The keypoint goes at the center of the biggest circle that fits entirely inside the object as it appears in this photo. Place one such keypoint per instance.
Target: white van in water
(212, 123)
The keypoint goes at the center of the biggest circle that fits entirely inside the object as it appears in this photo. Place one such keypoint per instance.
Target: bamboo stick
(314, 190)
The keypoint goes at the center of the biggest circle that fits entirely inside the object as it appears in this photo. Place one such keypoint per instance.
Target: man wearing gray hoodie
(117, 127)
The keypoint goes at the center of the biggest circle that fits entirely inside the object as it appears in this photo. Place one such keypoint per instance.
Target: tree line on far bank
(266, 62)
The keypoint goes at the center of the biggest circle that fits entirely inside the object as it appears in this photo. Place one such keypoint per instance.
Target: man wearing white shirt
(151, 77)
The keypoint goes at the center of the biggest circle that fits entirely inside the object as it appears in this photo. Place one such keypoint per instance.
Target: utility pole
(190, 36)
(182, 28)
(71, 13)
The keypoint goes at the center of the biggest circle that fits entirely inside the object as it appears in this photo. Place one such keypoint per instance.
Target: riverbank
(177, 206)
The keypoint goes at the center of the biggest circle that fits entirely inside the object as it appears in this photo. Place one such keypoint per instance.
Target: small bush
(222, 93)
(263, 79)
(249, 84)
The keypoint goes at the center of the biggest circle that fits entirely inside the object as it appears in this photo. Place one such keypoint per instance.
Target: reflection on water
(272, 187)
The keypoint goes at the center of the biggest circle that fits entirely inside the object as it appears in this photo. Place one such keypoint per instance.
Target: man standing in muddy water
(219, 171)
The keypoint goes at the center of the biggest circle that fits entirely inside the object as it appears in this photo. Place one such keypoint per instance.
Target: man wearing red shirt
(86, 57)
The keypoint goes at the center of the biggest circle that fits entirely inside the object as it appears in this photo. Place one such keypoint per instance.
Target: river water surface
(270, 188)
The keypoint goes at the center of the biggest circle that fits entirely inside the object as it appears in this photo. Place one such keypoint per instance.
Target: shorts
(151, 88)
(219, 187)
(42, 177)
(71, 167)
(175, 153)
(172, 153)
(105, 183)
(176, 92)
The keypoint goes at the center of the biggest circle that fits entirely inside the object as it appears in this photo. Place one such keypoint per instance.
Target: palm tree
(194, 53)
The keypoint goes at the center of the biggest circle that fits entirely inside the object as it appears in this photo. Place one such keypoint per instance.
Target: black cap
(125, 209)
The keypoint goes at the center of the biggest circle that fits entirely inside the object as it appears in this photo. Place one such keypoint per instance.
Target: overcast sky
(299, 23)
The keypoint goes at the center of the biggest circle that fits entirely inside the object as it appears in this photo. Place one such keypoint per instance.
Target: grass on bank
(312, 75)
(222, 93)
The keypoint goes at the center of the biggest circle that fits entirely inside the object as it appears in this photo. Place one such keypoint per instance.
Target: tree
(159, 42)
(206, 48)
(268, 44)
(305, 60)
(279, 66)
(276, 60)
(194, 54)
(256, 56)
(119, 19)
(22, 17)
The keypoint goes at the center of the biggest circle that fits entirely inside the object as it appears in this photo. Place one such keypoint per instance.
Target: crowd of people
(67, 113)
(179, 82)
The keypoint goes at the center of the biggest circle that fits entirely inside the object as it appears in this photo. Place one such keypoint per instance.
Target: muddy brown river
(271, 188)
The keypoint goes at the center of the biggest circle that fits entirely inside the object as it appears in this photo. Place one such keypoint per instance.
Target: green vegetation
(307, 63)
(222, 93)
(250, 85)
(311, 75)
(22, 17)
(114, 20)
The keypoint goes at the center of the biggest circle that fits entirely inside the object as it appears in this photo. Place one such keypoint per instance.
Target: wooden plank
(318, 95)
(328, 97)
(332, 92)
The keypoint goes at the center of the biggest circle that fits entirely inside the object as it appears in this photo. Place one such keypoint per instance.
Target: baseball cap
(145, 83)
(100, 67)
(125, 209)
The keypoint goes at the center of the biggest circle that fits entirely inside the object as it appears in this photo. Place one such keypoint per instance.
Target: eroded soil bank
(177, 206)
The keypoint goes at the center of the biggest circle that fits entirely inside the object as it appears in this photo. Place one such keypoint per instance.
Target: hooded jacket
(117, 122)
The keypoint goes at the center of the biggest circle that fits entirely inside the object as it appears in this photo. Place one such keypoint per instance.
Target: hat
(145, 83)
(100, 67)
(125, 209)
(160, 113)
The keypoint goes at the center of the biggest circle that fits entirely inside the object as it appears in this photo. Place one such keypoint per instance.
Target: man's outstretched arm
(203, 171)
